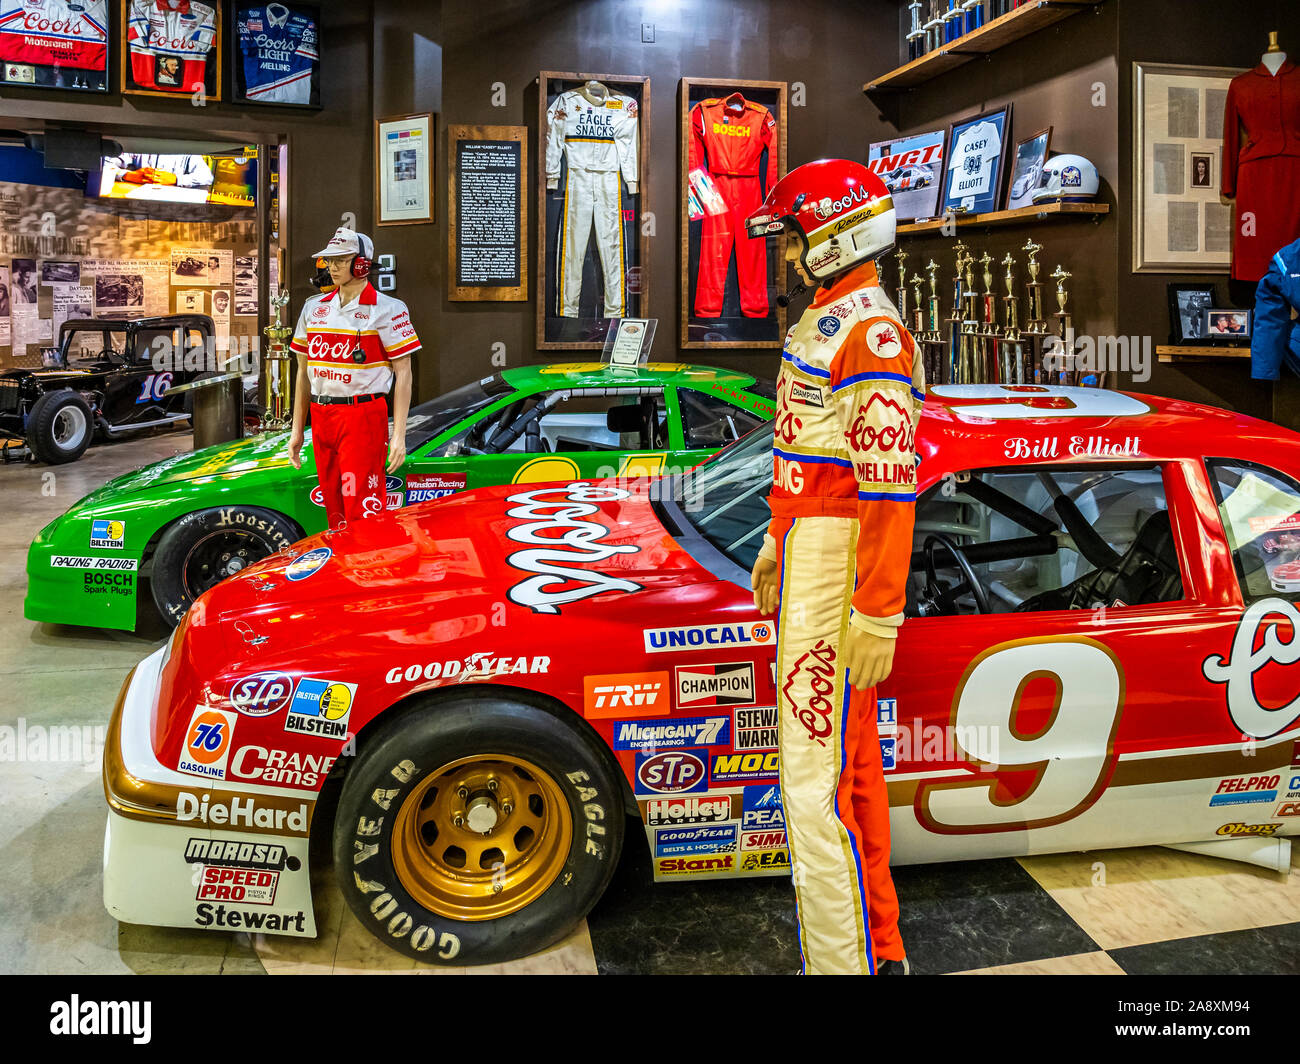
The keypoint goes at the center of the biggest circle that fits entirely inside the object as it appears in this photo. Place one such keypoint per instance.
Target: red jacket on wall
(1264, 172)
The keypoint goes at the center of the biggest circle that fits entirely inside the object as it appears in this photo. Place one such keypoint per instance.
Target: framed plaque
(404, 169)
(276, 52)
(732, 151)
(1179, 223)
(487, 213)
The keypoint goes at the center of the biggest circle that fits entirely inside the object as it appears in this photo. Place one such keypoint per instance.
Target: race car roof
(599, 374)
(985, 425)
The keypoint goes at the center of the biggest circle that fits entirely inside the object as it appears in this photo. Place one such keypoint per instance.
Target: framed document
(487, 219)
(628, 341)
(1179, 224)
(978, 148)
(404, 169)
(1027, 167)
(913, 171)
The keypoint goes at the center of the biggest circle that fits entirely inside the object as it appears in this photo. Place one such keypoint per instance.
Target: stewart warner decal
(559, 540)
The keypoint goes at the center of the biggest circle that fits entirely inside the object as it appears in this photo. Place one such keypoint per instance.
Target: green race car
(187, 522)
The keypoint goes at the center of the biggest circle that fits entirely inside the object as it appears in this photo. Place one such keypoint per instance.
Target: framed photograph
(978, 148)
(277, 54)
(592, 248)
(404, 158)
(1202, 170)
(732, 150)
(912, 170)
(65, 48)
(172, 48)
(1227, 325)
(1187, 306)
(1027, 168)
(1179, 225)
(487, 213)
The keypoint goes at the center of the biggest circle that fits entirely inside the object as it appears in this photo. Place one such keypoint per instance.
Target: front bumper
(162, 864)
(70, 583)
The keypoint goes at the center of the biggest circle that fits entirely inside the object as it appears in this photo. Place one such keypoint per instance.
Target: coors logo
(807, 690)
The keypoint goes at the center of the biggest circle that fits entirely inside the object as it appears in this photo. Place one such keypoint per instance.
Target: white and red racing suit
(849, 398)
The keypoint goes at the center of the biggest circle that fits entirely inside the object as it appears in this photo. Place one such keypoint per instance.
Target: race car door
(709, 423)
(1057, 613)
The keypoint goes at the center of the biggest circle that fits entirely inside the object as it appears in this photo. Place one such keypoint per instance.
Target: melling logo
(819, 666)
(1248, 829)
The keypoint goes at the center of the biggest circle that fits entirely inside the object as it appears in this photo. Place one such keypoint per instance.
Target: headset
(361, 261)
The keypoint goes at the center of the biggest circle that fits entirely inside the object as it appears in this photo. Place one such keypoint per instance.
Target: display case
(275, 54)
(593, 247)
(171, 48)
(65, 49)
(733, 137)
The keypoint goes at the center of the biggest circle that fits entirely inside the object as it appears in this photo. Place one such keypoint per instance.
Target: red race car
(465, 697)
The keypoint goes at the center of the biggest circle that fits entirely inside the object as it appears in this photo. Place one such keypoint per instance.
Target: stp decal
(262, 694)
(672, 772)
(207, 743)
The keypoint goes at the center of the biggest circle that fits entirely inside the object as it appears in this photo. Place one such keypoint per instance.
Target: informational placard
(72, 301)
(628, 341)
(404, 169)
(488, 234)
(128, 288)
(191, 266)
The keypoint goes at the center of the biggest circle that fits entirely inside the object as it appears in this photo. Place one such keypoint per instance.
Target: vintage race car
(468, 696)
(187, 522)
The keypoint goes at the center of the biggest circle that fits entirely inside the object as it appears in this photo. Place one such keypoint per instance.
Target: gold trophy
(277, 369)
(1012, 348)
(902, 286)
(1064, 326)
(1035, 323)
(956, 320)
(929, 350)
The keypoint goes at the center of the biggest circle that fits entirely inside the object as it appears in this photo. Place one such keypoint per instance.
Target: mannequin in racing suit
(836, 558)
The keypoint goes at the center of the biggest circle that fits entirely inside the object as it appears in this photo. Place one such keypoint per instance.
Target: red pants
(351, 448)
(832, 777)
(720, 233)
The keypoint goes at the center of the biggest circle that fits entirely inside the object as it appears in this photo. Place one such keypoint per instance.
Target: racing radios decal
(559, 539)
(1237, 670)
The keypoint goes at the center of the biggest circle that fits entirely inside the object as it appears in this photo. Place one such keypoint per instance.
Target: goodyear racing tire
(60, 427)
(203, 548)
(477, 830)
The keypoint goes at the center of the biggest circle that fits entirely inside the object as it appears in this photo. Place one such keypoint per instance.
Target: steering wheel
(946, 597)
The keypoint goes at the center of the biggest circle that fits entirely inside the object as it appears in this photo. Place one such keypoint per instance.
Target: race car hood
(255, 453)
(47, 378)
(507, 557)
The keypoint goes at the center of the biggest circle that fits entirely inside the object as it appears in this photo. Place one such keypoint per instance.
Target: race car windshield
(435, 417)
(725, 499)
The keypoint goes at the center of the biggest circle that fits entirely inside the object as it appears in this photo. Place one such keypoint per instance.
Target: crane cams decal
(558, 540)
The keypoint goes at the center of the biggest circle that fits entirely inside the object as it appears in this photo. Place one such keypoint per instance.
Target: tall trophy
(1064, 327)
(916, 35)
(277, 369)
(1035, 323)
(901, 291)
(989, 336)
(956, 320)
(1012, 348)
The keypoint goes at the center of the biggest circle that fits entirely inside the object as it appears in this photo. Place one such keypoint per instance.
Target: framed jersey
(976, 170)
(592, 206)
(277, 54)
(54, 44)
(733, 138)
(172, 48)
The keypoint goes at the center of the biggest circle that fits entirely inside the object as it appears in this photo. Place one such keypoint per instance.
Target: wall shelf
(1020, 215)
(1015, 24)
(1199, 353)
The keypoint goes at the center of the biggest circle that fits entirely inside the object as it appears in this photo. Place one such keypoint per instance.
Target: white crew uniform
(600, 141)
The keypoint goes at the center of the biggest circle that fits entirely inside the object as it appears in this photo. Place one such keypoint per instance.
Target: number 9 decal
(1071, 757)
(999, 402)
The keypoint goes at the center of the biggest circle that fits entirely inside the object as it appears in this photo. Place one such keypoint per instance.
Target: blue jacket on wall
(1276, 337)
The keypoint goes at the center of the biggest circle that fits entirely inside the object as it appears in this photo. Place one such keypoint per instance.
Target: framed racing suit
(849, 398)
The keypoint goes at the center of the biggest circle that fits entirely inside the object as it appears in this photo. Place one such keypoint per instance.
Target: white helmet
(1067, 177)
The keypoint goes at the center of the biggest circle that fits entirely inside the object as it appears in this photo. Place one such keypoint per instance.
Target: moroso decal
(559, 539)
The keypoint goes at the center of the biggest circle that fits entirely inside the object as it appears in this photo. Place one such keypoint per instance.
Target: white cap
(347, 241)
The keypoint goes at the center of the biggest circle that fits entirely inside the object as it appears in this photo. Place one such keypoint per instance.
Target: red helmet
(842, 211)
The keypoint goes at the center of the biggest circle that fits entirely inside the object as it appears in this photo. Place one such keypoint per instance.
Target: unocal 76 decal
(1072, 756)
(560, 537)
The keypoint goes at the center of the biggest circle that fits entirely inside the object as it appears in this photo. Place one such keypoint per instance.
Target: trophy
(988, 367)
(1064, 326)
(956, 320)
(1012, 368)
(1035, 323)
(918, 314)
(277, 368)
(933, 27)
(902, 286)
(929, 349)
(915, 35)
